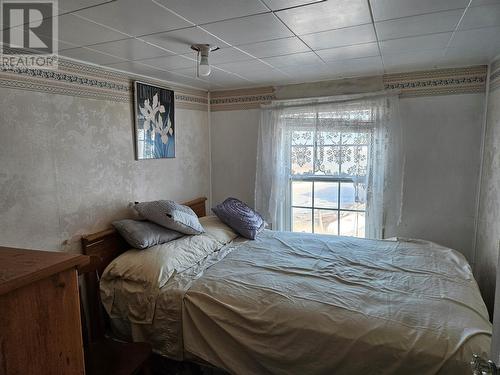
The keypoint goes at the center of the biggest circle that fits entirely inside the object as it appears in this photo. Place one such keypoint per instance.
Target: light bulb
(204, 68)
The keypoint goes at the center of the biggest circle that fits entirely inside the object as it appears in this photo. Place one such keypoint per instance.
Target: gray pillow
(241, 218)
(171, 215)
(144, 234)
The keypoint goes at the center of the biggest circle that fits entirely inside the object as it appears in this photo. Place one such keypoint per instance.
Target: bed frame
(102, 247)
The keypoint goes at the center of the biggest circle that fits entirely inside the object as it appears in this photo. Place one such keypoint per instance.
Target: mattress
(295, 303)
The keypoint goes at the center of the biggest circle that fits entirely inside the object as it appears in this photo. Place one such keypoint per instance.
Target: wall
(488, 235)
(67, 166)
(441, 138)
(442, 135)
(234, 149)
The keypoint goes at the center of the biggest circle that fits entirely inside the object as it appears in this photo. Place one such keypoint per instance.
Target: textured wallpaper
(488, 236)
(67, 167)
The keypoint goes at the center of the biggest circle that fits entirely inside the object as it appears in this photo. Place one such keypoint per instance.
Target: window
(328, 161)
(323, 164)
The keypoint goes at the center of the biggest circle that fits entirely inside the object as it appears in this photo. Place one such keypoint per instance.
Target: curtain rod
(300, 102)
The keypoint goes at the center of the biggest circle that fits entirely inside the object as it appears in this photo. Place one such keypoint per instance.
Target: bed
(295, 303)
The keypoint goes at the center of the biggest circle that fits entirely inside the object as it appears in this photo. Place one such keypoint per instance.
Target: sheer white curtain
(371, 119)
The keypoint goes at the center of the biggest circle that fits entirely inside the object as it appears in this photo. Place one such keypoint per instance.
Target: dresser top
(19, 267)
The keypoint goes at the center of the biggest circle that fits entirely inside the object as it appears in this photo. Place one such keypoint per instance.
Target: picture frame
(154, 129)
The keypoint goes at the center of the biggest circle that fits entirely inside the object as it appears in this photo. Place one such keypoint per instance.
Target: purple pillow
(241, 218)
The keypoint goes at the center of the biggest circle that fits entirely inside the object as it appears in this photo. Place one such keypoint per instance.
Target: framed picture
(154, 122)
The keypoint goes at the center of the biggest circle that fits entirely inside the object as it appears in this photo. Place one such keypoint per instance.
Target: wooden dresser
(40, 329)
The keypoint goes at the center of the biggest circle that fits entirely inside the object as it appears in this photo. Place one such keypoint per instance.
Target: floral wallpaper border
(89, 81)
(228, 100)
(439, 81)
(420, 83)
(495, 75)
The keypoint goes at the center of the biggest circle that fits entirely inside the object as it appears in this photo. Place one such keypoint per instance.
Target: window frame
(313, 178)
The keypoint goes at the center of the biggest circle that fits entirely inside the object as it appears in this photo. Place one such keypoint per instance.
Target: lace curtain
(354, 138)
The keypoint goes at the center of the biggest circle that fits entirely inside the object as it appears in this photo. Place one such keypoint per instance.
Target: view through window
(328, 172)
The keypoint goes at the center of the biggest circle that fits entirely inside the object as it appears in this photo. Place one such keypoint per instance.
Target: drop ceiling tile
(389, 9)
(91, 56)
(249, 29)
(308, 73)
(244, 66)
(13, 24)
(303, 58)
(265, 76)
(484, 39)
(455, 57)
(62, 45)
(484, 2)
(81, 32)
(227, 55)
(135, 68)
(460, 61)
(230, 85)
(170, 62)
(191, 73)
(130, 49)
(223, 78)
(75, 5)
(70, 6)
(206, 11)
(341, 37)
(418, 25)
(143, 70)
(357, 67)
(481, 16)
(57, 45)
(203, 85)
(432, 41)
(188, 72)
(275, 47)
(272, 80)
(180, 41)
(349, 52)
(316, 77)
(75, 32)
(135, 17)
(411, 61)
(194, 82)
(309, 78)
(282, 4)
(326, 16)
(223, 56)
(217, 77)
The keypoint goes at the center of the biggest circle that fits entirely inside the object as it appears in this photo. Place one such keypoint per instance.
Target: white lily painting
(154, 122)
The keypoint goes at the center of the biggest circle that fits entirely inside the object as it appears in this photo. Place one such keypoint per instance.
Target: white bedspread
(291, 303)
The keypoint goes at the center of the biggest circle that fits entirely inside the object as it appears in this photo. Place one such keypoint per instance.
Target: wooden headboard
(108, 244)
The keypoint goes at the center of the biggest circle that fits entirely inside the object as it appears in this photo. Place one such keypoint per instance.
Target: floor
(165, 366)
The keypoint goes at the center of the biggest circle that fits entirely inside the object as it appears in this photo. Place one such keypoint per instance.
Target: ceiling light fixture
(202, 66)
